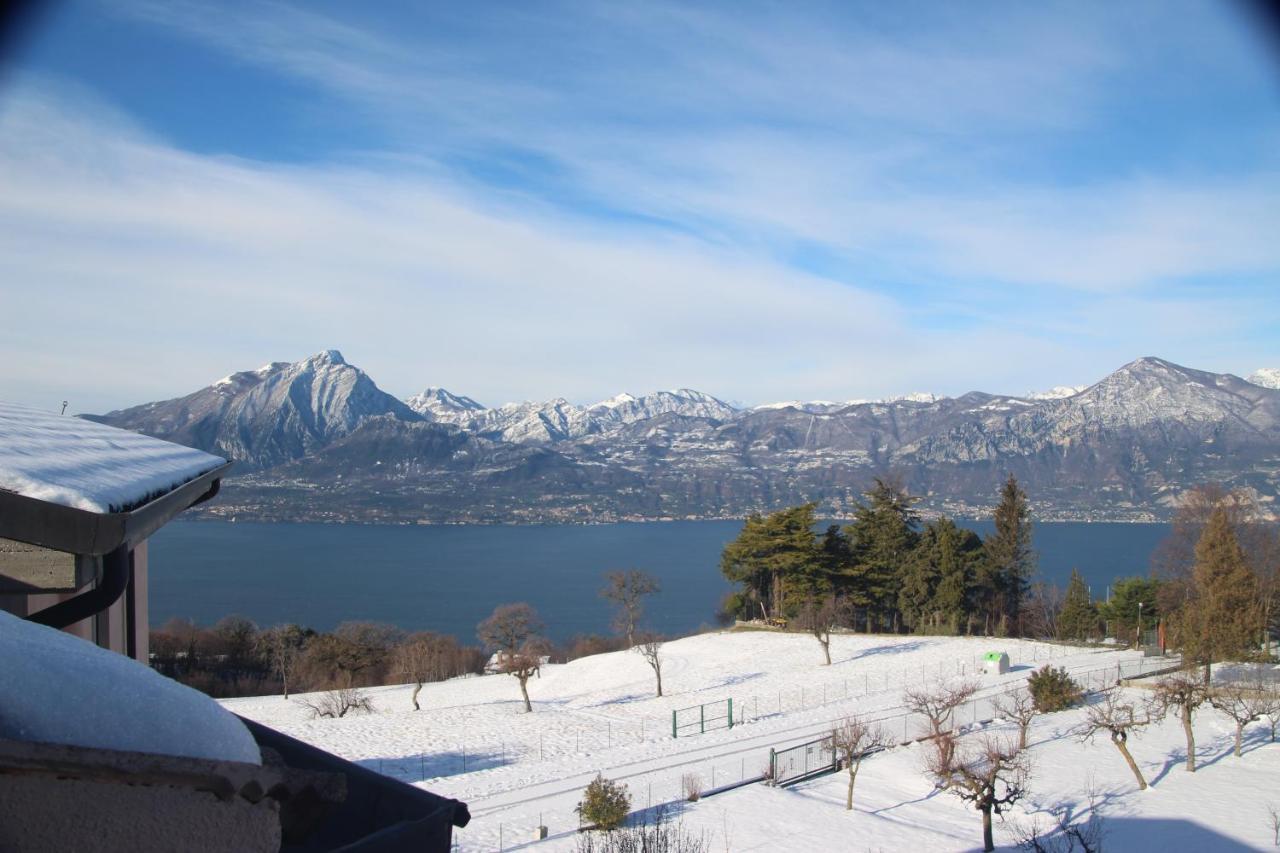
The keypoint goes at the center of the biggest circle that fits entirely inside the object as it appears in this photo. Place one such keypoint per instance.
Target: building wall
(109, 628)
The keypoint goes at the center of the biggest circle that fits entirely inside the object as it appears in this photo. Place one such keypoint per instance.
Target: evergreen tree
(934, 585)
(1121, 611)
(882, 537)
(776, 559)
(1079, 616)
(1220, 619)
(1011, 562)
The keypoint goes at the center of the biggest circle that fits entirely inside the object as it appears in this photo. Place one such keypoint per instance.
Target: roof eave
(79, 531)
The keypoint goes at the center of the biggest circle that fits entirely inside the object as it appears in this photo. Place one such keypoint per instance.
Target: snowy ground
(518, 770)
(1223, 806)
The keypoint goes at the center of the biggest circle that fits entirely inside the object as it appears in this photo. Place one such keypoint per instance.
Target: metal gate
(800, 762)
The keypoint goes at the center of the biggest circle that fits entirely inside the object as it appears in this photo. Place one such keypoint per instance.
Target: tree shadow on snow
(730, 680)
(888, 649)
(1163, 834)
(433, 765)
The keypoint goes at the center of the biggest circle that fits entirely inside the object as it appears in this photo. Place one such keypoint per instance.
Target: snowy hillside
(599, 714)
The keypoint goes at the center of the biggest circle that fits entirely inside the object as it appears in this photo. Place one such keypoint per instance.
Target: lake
(448, 578)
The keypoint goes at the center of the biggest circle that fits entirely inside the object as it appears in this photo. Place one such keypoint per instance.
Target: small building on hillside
(995, 663)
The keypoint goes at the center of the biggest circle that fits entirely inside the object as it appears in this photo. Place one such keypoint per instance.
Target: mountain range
(318, 440)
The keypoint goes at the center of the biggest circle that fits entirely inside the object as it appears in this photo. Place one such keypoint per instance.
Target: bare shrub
(1274, 814)
(692, 785)
(650, 832)
(1118, 717)
(338, 703)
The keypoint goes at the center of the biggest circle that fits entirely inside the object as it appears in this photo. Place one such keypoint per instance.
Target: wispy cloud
(570, 199)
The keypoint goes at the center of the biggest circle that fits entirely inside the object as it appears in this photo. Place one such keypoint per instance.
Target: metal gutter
(79, 531)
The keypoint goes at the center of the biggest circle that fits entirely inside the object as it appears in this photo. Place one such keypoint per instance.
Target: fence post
(702, 717)
(674, 734)
(731, 712)
(773, 771)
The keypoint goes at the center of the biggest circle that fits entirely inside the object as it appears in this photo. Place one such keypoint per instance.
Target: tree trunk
(285, 680)
(524, 691)
(1191, 740)
(1239, 738)
(657, 671)
(853, 776)
(1022, 735)
(1133, 765)
(826, 649)
(414, 698)
(987, 844)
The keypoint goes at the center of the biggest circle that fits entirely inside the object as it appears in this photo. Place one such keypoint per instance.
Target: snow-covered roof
(59, 688)
(87, 465)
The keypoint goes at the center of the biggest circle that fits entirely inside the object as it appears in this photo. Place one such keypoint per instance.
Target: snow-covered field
(598, 714)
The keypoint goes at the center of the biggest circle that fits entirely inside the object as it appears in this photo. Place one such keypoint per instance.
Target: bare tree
(1274, 814)
(282, 646)
(511, 632)
(1183, 692)
(424, 657)
(1243, 703)
(355, 654)
(992, 775)
(627, 589)
(1020, 707)
(339, 703)
(1271, 709)
(937, 703)
(819, 616)
(650, 648)
(853, 740)
(1118, 718)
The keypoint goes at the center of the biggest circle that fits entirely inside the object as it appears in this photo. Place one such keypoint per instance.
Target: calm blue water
(448, 578)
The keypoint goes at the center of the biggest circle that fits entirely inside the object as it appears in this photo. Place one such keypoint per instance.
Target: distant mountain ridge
(319, 439)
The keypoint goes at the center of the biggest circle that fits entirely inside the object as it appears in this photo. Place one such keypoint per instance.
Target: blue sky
(518, 201)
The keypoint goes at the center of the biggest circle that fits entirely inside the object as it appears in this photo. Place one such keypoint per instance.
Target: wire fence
(671, 785)
(589, 735)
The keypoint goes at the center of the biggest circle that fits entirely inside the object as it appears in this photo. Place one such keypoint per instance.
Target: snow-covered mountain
(559, 420)
(1124, 447)
(1057, 392)
(263, 417)
(443, 406)
(1267, 377)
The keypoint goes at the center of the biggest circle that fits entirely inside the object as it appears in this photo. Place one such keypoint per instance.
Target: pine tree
(1121, 611)
(1220, 619)
(1079, 616)
(776, 558)
(882, 536)
(936, 579)
(1011, 562)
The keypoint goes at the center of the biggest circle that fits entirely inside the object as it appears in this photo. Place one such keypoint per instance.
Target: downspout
(117, 570)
